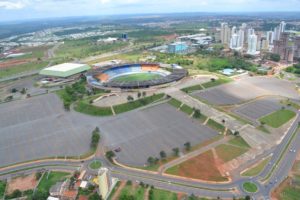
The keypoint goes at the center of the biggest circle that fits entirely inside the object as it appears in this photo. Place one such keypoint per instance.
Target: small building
(178, 47)
(65, 70)
(52, 198)
(228, 71)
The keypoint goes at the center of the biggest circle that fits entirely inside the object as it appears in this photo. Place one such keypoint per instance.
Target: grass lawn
(228, 152)
(175, 103)
(278, 118)
(2, 188)
(51, 179)
(22, 68)
(201, 167)
(250, 187)
(239, 141)
(114, 190)
(188, 110)
(159, 194)
(89, 109)
(256, 169)
(290, 193)
(137, 104)
(215, 125)
(137, 77)
(136, 191)
(215, 83)
(192, 88)
(95, 164)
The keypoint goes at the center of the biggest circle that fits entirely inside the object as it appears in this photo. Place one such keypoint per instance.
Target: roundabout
(250, 187)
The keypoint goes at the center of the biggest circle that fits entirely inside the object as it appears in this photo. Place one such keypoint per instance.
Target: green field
(250, 187)
(159, 194)
(137, 103)
(95, 164)
(290, 193)
(228, 152)
(175, 103)
(137, 77)
(51, 179)
(278, 118)
(137, 193)
(22, 68)
(89, 109)
(254, 171)
(239, 141)
(2, 188)
(215, 125)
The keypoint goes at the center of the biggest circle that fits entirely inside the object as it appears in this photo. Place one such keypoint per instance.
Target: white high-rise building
(233, 30)
(270, 37)
(225, 33)
(241, 38)
(252, 44)
(282, 27)
(251, 31)
(234, 41)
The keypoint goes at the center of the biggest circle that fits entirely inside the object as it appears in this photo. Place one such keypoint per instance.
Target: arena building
(65, 70)
(130, 76)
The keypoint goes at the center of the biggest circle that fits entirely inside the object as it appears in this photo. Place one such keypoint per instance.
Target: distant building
(297, 47)
(178, 48)
(104, 182)
(124, 36)
(252, 44)
(225, 34)
(270, 37)
(283, 48)
(64, 70)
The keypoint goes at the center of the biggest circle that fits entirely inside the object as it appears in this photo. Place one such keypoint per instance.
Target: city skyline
(11, 10)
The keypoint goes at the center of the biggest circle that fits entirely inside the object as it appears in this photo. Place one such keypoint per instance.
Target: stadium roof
(65, 70)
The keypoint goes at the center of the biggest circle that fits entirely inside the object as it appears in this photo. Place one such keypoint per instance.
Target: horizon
(19, 10)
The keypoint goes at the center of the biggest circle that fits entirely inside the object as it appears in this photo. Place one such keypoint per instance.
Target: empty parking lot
(247, 88)
(257, 109)
(39, 127)
(145, 133)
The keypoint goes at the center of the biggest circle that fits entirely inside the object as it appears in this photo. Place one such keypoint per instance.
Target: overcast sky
(26, 9)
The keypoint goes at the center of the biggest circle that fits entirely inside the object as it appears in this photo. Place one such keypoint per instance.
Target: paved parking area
(145, 133)
(247, 88)
(39, 127)
(257, 109)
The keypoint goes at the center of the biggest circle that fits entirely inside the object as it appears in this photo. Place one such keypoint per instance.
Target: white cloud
(12, 5)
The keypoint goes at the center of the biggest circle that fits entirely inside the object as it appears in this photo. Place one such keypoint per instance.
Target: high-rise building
(282, 48)
(225, 34)
(241, 38)
(104, 182)
(270, 37)
(252, 44)
(297, 47)
(282, 27)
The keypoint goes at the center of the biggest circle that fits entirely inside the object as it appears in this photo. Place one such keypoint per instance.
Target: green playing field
(137, 77)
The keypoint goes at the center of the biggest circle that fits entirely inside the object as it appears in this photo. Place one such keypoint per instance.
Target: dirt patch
(12, 63)
(118, 192)
(169, 37)
(278, 191)
(202, 167)
(22, 183)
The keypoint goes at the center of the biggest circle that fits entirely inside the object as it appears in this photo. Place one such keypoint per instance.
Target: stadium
(133, 76)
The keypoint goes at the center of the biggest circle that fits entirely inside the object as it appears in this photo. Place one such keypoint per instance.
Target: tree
(197, 113)
(38, 175)
(109, 155)
(176, 151)
(95, 138)
(130, 98)
(236, 133)
(129, 182)
(139, 95)
(23, 91)
(247, 197)
(144, 94)
(151, 160)
(187, 146)
(163, 155)
(40, 195)
(14, 90)
(275, 57)
(95, 196)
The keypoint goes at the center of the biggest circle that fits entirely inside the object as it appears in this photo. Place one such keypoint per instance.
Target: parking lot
(255, 110)
(39, 127)
(247, 88)
(145, 133)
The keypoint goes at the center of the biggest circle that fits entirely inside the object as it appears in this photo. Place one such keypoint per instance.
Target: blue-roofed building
(178, 47)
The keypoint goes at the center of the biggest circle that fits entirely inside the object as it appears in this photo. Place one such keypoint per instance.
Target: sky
(11, 10)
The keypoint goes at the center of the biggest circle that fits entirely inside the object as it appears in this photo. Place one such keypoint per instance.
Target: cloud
(12, 5)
